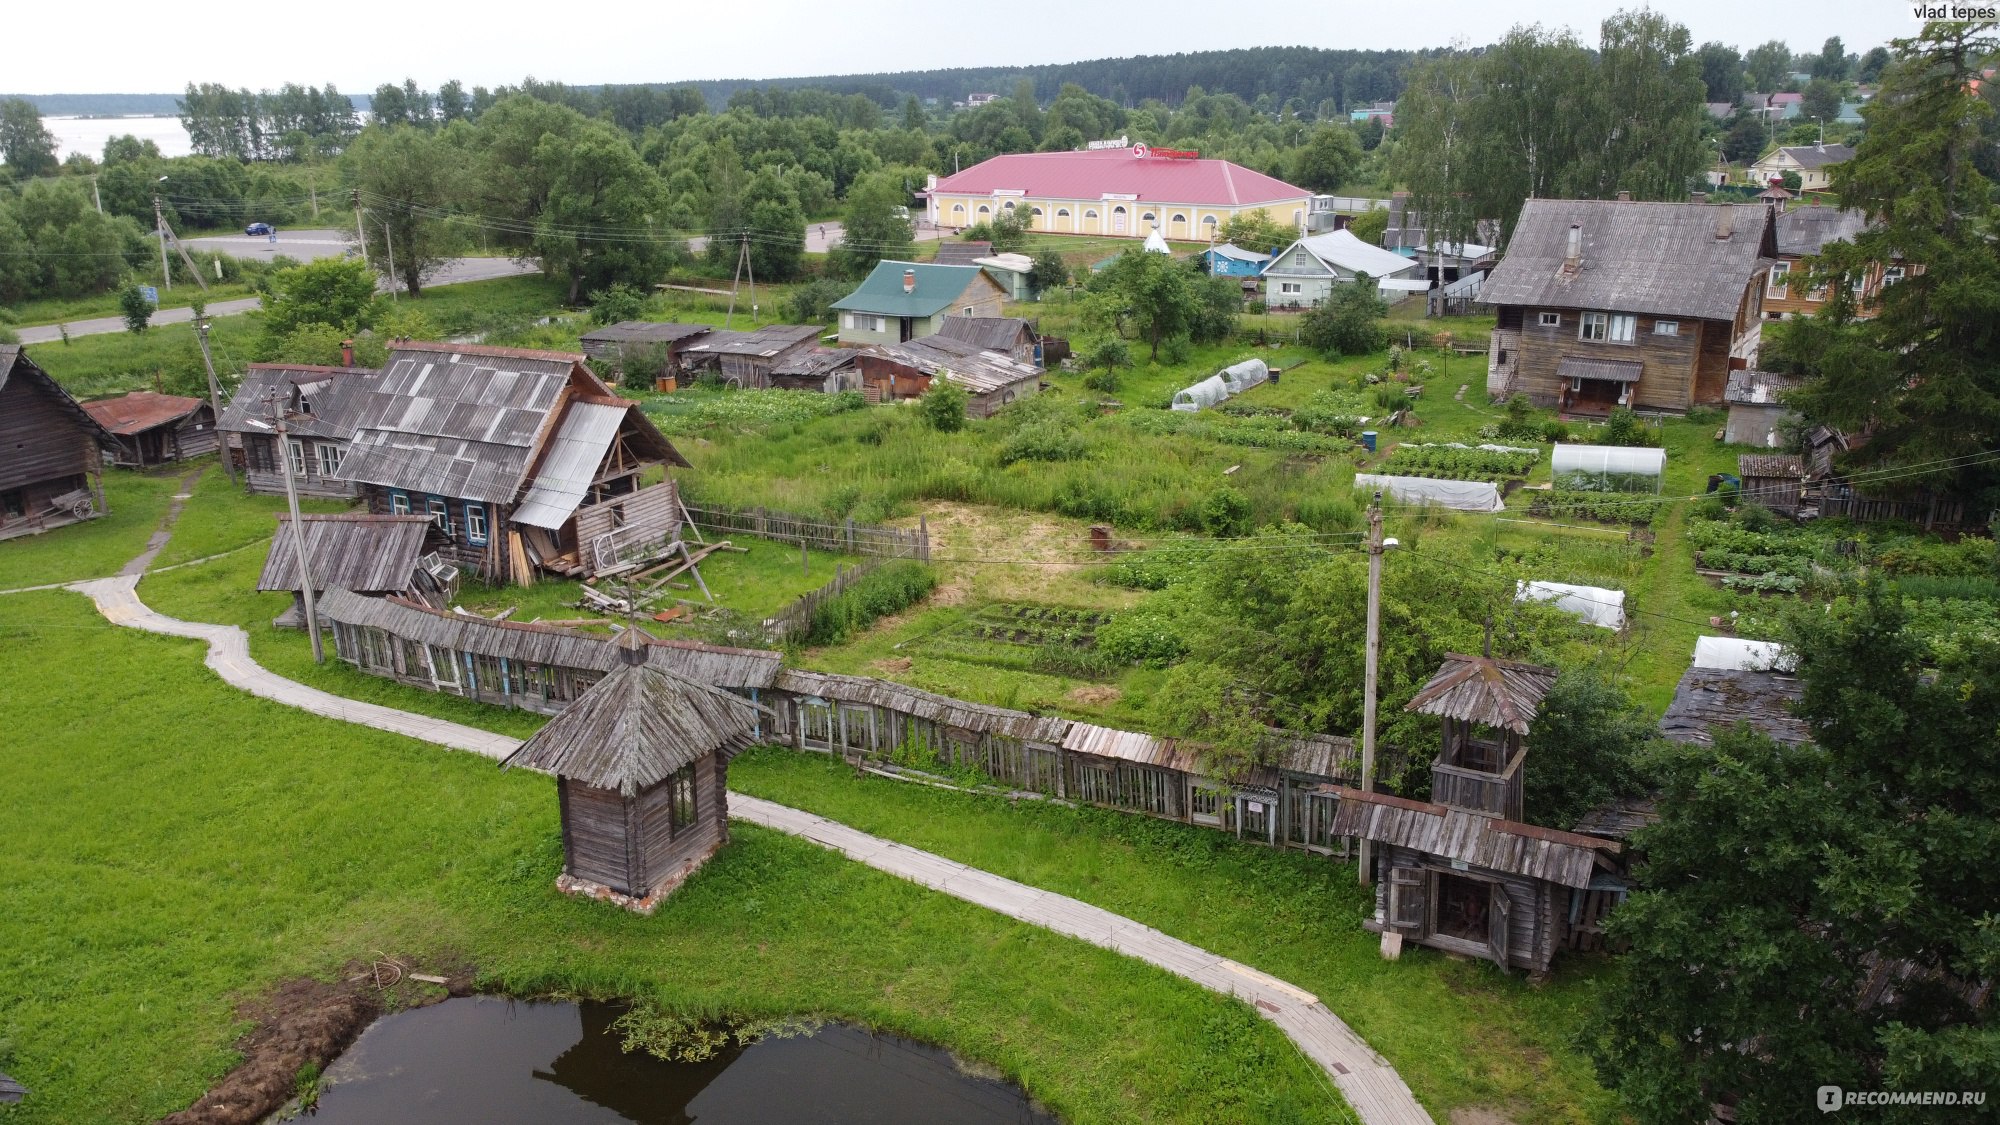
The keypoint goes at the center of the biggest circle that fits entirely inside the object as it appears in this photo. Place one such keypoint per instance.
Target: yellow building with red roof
(1123, 192)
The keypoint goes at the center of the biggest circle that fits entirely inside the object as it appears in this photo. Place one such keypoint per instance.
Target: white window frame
(439, 510)
(399, 503)
(967, 310)
(1290, 287)
(330, 455)
(475, 524)
(1892, 274)
(1779, 284)
(295, 450)
(1666, 328)
(1549, 320)
(1594, 327)
(1624, 328)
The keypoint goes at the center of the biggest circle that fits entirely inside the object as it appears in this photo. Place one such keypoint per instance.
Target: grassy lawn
(115, 362)
(194, 845)
(220, 516)
(1460, 1033)
(138, 501)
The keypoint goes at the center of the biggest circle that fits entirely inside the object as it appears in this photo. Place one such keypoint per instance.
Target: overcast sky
(125, 47)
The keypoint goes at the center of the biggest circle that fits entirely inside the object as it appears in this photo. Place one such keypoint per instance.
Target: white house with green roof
(902, 301)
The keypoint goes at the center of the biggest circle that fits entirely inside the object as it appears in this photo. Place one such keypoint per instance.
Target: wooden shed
(746, 359)
(1775, 480)
(364, 553)
(153, 429)
(641, 762)
(658, 345)
(1486, 705)
(51, 460)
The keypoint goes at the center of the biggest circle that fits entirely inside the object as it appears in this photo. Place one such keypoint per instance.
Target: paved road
(48, 333)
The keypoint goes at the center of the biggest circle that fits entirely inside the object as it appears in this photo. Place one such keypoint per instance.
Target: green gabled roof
(882, 292)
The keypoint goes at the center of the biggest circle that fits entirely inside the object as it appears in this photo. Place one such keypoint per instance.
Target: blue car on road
(257, 228)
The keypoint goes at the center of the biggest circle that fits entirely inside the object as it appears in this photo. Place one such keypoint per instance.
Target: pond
(493, 1062)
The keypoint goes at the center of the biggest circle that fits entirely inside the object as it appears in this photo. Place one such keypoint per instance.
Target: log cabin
(51, 451)
(1609, 303)
(319, 425)
(641, 761)
(154, 429)
(525, 459)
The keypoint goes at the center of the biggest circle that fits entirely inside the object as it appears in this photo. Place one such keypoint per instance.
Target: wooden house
(318, 426)
(1607, 303)
(1802, 233)
(643, 341)
(1814, 163)
(1757, 411)
(641, 761)
(990, 379)
(903, 301)
(1775, 480)
(525, 459)
(153, 429)
(746, 359)
(51, 451)
(1011, 336)
(368, 554)
(821, 370)
(1462, 872)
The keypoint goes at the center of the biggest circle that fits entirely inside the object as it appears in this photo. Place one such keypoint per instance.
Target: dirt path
(157, 542)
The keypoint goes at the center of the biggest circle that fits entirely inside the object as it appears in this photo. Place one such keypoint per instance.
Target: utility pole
(160, 229)
(214, 397)
(1365, 869)
(298, 529)
(360, 232)
(750, 268)
(389, 239)
(742, 256)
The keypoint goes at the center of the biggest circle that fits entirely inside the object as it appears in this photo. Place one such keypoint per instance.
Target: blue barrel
(1368, 440)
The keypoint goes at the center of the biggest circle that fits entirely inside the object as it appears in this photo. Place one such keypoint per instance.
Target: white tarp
(1208, 392)
(1463, 495)
(1594, 604)
(1736, 654)
(1240, 377)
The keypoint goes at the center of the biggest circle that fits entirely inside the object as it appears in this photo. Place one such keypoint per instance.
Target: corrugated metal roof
(956, 253)
(989, 333)
(373, 554)
(935, 287)
(1669, 259)
(569, 464)
(1480, 841)
(976, 369)
(1092, 175)
(1616, 370)
(141, 410)
(1494, 693)
(332, 393)
(1343, 250)
(642, 332)
(763, 343)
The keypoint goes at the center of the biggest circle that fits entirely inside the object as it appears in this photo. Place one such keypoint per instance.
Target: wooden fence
(1931, 511)
(848, 538)
(797, 617)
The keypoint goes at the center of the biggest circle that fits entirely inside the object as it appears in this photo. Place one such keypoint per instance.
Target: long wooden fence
(847, 538)
(797, 617)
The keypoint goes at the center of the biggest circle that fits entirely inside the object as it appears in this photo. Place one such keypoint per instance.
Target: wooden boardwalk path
(1371, 1086)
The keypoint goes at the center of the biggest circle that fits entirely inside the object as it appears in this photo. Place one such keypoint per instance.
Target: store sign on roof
(1144, 152)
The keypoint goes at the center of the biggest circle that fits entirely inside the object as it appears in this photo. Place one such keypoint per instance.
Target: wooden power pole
(1365, 869)
(214, 397)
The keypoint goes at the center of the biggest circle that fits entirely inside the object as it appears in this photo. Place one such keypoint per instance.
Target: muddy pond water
(490, 1061)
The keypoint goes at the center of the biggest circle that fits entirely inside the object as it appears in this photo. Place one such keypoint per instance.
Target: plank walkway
(1371, 1086)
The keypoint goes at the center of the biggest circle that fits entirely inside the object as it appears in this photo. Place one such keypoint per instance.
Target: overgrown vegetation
(893, 586)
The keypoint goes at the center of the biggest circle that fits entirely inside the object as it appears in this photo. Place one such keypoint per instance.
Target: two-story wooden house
(1803, 233)
(317, 426)
(525, 459)
(1604, 303)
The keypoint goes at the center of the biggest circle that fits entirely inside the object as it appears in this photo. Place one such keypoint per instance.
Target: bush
(137, 310)
(616, 304)
(1148, 634)
(1047, 440)
(1624, 428)
(1225, 511)
(811, 302)
(888, 589)
(1176, 350)
(1555, 432)
(1390, 396)
(943, 406)
(1103, 382)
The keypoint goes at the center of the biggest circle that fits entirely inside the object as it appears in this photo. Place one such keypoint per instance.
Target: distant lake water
(88, 134)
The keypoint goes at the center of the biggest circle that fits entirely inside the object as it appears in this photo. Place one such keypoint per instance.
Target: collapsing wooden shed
(641, 762)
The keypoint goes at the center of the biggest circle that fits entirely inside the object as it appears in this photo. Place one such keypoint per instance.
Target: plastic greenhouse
(1737, 654)
(1463, 495)
(1608, 468)
(1240, 377)
(1595, 604)
(1204, 394)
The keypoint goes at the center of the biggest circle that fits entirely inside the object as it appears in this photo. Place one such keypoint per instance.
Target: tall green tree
(1721, 72)
(1820, 101)
(1152, 293)
(1922, 376)
(1767, 65)
(1329, 159)
(775, 225)
(1780, 879)
(878, 221)
(1832, 62)
(603, 222)
(337, 293)
(1648, 113)
(26, 145)
(410, 178)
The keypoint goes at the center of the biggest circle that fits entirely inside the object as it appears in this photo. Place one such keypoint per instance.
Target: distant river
(88, 134)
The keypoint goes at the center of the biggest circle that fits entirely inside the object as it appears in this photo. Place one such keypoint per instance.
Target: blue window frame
(475, 524)
(399, 503)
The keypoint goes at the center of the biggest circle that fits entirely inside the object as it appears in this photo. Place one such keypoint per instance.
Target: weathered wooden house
(902, 301)
(1775, 480)
(1757, 411)
(372, 555)
(820, 370)
(1011, 336)
(1608, 303)
(153, 429)
(641, 761)
(51, 451)
(660, 345)
(319, 423)
(746, 359)
(524, 665)
(1462, 872)
(525, 459)
(990, 380)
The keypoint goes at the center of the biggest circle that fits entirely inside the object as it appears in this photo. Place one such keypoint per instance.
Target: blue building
(1231, 260)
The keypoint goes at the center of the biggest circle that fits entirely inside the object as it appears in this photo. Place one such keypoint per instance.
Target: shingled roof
(1480, 689)
(15, 364)
(1472, 838)
(1804, 231)
(1664, 259)
(632, 729)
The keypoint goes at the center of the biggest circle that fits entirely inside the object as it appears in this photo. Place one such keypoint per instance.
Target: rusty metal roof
(141, 410)
(1495, 693)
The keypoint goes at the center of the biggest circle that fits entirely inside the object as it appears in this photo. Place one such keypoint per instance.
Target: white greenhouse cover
(1463, 495)
(1639, 461)
(1594, 604)
(1208, 392)
(1240, 377)
(1736, 654)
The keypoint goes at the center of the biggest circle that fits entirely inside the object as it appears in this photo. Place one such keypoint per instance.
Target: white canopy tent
(1461, 495)
(1738, 655)
(1240, 377)
(1610, 468)
(1595, 604)
(1204, 394)
(1156, 243)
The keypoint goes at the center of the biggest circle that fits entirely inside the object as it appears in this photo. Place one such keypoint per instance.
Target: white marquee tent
(1595, 604)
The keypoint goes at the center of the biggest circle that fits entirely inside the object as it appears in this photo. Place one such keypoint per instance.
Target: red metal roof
(1089, 175)
(140, 410)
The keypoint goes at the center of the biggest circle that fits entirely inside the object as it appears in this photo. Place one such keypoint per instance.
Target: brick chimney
(1624, 197)
(909, 281)
(347, 353)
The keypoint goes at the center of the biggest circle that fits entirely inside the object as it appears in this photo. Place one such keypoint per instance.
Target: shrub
(892, 587)
(1104, 381)
(1047, 440)
(1176, 350)
(1148, 634)
(811, 302)
(137, 310)
(943, 406)
(1225, 511)
(1390, 396)
(1624, 428)
(1554, 432)
(617, 303)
